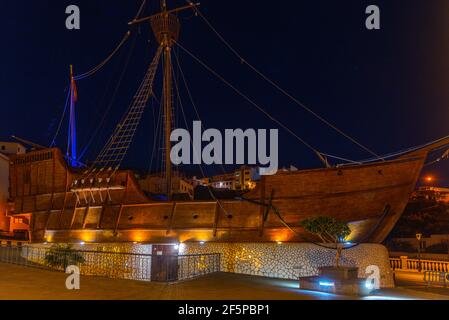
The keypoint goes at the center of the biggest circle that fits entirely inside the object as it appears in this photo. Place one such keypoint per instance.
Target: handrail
(404, 263)
(122, 265)
(436, 278)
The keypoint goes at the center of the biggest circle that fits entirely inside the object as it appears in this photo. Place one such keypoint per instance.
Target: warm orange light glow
(429, 178)
(48, 236)
(87, 236)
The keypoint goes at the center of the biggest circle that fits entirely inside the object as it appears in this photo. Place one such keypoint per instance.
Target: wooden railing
(404, 263)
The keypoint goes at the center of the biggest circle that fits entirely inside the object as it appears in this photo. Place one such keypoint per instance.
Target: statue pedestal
(342, 280)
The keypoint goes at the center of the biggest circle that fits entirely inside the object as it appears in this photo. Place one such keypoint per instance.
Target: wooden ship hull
(370, 197)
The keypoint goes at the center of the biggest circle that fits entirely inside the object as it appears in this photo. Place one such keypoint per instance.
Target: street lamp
(418, 237)
(429, 180)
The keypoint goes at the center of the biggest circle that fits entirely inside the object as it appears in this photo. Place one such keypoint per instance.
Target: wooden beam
(65, 198)
(100, 219)
(262, 200)
(86, 212)
(124, 200)
(73, 215)
(190, 5)
(50, 205)
(117, 222)
(216, 219)
(170, 221)
(265, 214)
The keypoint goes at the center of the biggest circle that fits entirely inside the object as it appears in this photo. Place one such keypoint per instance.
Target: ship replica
(103, 203)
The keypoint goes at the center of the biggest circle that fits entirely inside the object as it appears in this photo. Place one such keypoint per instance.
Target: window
(18, 220)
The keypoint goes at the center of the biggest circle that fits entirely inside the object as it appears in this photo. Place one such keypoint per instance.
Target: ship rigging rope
(105, 61)
(218, 76)
(53, 142)
(157, 133)
(194, 149)
(189, 93)
(278, 87)
(112, 100)
(114, 151)
(142, 7)
(408, 150)
(282, 220)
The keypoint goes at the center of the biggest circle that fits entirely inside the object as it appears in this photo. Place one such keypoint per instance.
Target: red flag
(73, 86)
(74, 90)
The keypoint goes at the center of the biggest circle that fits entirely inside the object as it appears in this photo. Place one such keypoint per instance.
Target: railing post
(404, 262)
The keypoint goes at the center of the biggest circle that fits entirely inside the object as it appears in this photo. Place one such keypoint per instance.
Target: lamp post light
(418, 237)
(429, 180)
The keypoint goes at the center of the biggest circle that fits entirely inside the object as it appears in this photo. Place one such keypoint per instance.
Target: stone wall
(111, 260)
(286, 260)
(292, 260)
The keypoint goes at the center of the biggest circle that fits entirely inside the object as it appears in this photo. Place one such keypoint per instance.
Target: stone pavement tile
(17, 282)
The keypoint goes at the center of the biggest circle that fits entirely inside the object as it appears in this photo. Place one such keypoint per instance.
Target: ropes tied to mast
(278, 87)
(53, 141)
(89, 74)
(118, 144)
(209, 188)
(218, 76)
(112, 97)
(105, 61)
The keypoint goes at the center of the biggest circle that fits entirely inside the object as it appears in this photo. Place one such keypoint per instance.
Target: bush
(329, 230)
(62, 256)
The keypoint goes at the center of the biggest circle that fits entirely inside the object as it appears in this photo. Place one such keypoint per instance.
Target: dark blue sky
(388, 88)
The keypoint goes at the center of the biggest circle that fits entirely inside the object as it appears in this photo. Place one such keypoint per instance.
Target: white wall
(293, 260)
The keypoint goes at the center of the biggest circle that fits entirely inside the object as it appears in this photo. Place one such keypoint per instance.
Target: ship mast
(167, 43)
(166, 28)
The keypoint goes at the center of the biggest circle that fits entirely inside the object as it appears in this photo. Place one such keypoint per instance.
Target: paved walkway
(414, 281)
(17, 282)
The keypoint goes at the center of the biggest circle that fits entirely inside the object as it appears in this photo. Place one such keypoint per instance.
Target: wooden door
(164, 263)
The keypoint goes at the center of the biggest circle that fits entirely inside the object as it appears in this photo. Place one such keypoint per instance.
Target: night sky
(388, 88)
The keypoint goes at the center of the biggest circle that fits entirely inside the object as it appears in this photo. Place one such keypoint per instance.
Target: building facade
(4, 192)
(242, 179)
(9, 148)
(425, 242)
(431, 194)
(11, 227)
